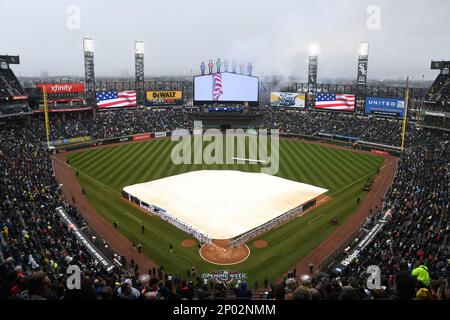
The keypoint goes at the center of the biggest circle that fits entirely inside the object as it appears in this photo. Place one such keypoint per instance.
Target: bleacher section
(11, 83)
(436, 111)
(13, 100)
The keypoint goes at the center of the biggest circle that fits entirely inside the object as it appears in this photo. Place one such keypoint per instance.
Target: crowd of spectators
(36, 248)
(121, 123)
(372, 129)
(112, 124)
(418, 225)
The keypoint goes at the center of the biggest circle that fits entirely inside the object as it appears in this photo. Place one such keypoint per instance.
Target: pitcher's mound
(260, 244)
(220, 253)
(188, 243)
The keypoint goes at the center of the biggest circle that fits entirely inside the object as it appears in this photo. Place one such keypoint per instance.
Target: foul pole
(405, 114)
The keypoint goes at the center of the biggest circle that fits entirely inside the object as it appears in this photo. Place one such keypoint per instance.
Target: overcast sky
(273, 35)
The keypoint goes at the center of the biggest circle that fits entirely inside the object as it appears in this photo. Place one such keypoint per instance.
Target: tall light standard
(312, 72)
(361, 78)
(139, 72)
(89, 73)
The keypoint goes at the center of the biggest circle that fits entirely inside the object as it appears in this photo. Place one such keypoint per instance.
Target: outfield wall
(351, 142)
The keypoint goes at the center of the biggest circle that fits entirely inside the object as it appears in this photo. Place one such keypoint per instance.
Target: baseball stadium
(225, 182)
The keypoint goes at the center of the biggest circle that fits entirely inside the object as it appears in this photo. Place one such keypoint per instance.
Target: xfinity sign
(61, 87)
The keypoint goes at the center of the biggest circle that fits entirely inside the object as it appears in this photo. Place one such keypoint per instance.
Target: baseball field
(104, 172)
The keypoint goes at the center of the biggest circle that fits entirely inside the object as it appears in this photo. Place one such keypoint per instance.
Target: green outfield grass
(104, 172)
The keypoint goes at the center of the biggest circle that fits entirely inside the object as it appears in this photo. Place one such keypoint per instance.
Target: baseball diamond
(105, 172)
(248, 151)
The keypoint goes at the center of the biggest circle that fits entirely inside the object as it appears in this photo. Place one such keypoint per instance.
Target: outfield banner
(164, 98)
(115, 140)
(384, 153)
(160, 134)
(385, 106)
(60, 142)
(61, 87)
(436, 114)
(143, 136)
(63, 109)
(287, 99)
(79, 139)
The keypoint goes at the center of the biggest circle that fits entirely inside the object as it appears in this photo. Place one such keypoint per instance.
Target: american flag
(217, 88)
(335, 101)
(116, 99)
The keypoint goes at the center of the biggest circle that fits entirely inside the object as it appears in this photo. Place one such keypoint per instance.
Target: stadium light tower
(139, 72)
(89, 74)
(361, 80)
(312, 73)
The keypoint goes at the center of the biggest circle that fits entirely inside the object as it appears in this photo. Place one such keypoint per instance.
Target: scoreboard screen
(225, 87)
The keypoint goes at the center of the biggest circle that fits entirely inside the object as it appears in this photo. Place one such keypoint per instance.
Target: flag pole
(405, 115)
(47, 124)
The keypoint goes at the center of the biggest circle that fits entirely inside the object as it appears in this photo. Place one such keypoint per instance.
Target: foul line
(136, 219)
(362, 178)
(316, 218)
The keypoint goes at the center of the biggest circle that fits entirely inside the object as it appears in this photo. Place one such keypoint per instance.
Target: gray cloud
(274, 35)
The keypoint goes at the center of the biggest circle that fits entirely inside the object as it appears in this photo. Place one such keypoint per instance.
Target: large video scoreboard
(225, 88)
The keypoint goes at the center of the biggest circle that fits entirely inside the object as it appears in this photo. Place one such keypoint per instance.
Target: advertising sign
(79, 139)
(287, 99)
(164, 98)
(385, 106)
(160, 134)
(143, 136)
(61, 87)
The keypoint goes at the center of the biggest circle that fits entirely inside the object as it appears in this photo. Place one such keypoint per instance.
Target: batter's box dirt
(220, 253)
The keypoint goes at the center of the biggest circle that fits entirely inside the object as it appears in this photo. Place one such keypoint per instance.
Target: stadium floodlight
(88, 45)
(364, 49)
(314, 50)
(139, 47)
